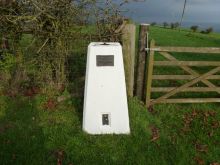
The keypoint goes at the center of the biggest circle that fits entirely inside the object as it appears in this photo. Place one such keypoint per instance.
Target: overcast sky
(171, 10)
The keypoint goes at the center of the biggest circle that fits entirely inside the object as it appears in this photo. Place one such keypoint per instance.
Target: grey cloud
(170, 10)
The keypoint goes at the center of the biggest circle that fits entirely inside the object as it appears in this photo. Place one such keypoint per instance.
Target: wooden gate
(194, 76)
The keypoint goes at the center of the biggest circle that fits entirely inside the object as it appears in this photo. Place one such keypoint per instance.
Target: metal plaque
(105, 119)
(107, 60)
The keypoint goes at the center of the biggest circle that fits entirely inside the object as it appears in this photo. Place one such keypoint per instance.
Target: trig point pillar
(105, 99)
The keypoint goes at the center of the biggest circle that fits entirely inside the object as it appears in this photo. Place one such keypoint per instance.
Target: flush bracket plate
(105, 119)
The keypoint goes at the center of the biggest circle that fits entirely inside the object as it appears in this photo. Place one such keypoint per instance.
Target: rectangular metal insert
(105, 60)
(105, 119)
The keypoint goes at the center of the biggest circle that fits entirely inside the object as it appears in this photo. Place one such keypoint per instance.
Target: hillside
(33, 133)
(183, 37)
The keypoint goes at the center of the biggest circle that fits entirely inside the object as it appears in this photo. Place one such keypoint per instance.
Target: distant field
(170, 134)
(184, 37)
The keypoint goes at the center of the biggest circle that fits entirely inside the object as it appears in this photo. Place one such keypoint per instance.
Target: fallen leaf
(13, 156)
(5, 127)
(212, 113)
(194, 113)
(8, 142)
(61, 88)
(215, 124)
(201, 148)
(59, 161)
(186, 129)
(155, 133)
(211, 133)
(11, 93)
(35, 90)
(199, 161)
(28, 93)
(206, 114)
(215, 163)
(63, 98)
(32, 91)
(2, 130)
(50, 104)
(151, 109)
(187, 119)
(60, 157)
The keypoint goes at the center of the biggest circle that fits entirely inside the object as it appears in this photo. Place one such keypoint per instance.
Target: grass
(184, 133)
(168, 37)
(31, 135)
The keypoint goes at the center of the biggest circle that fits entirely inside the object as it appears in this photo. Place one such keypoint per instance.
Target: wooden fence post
(141, 61)
(128, 40)
(149, 73)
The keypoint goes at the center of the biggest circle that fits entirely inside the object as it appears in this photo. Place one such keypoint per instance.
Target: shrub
(174, 25)
(165, 24)
(58, 30)
(153, 24)
(209, 30)
(194, 28)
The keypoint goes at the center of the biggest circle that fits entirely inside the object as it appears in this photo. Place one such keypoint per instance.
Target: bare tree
(153, 24)
(183, 13)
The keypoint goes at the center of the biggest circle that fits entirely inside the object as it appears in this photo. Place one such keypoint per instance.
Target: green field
(168, 134)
